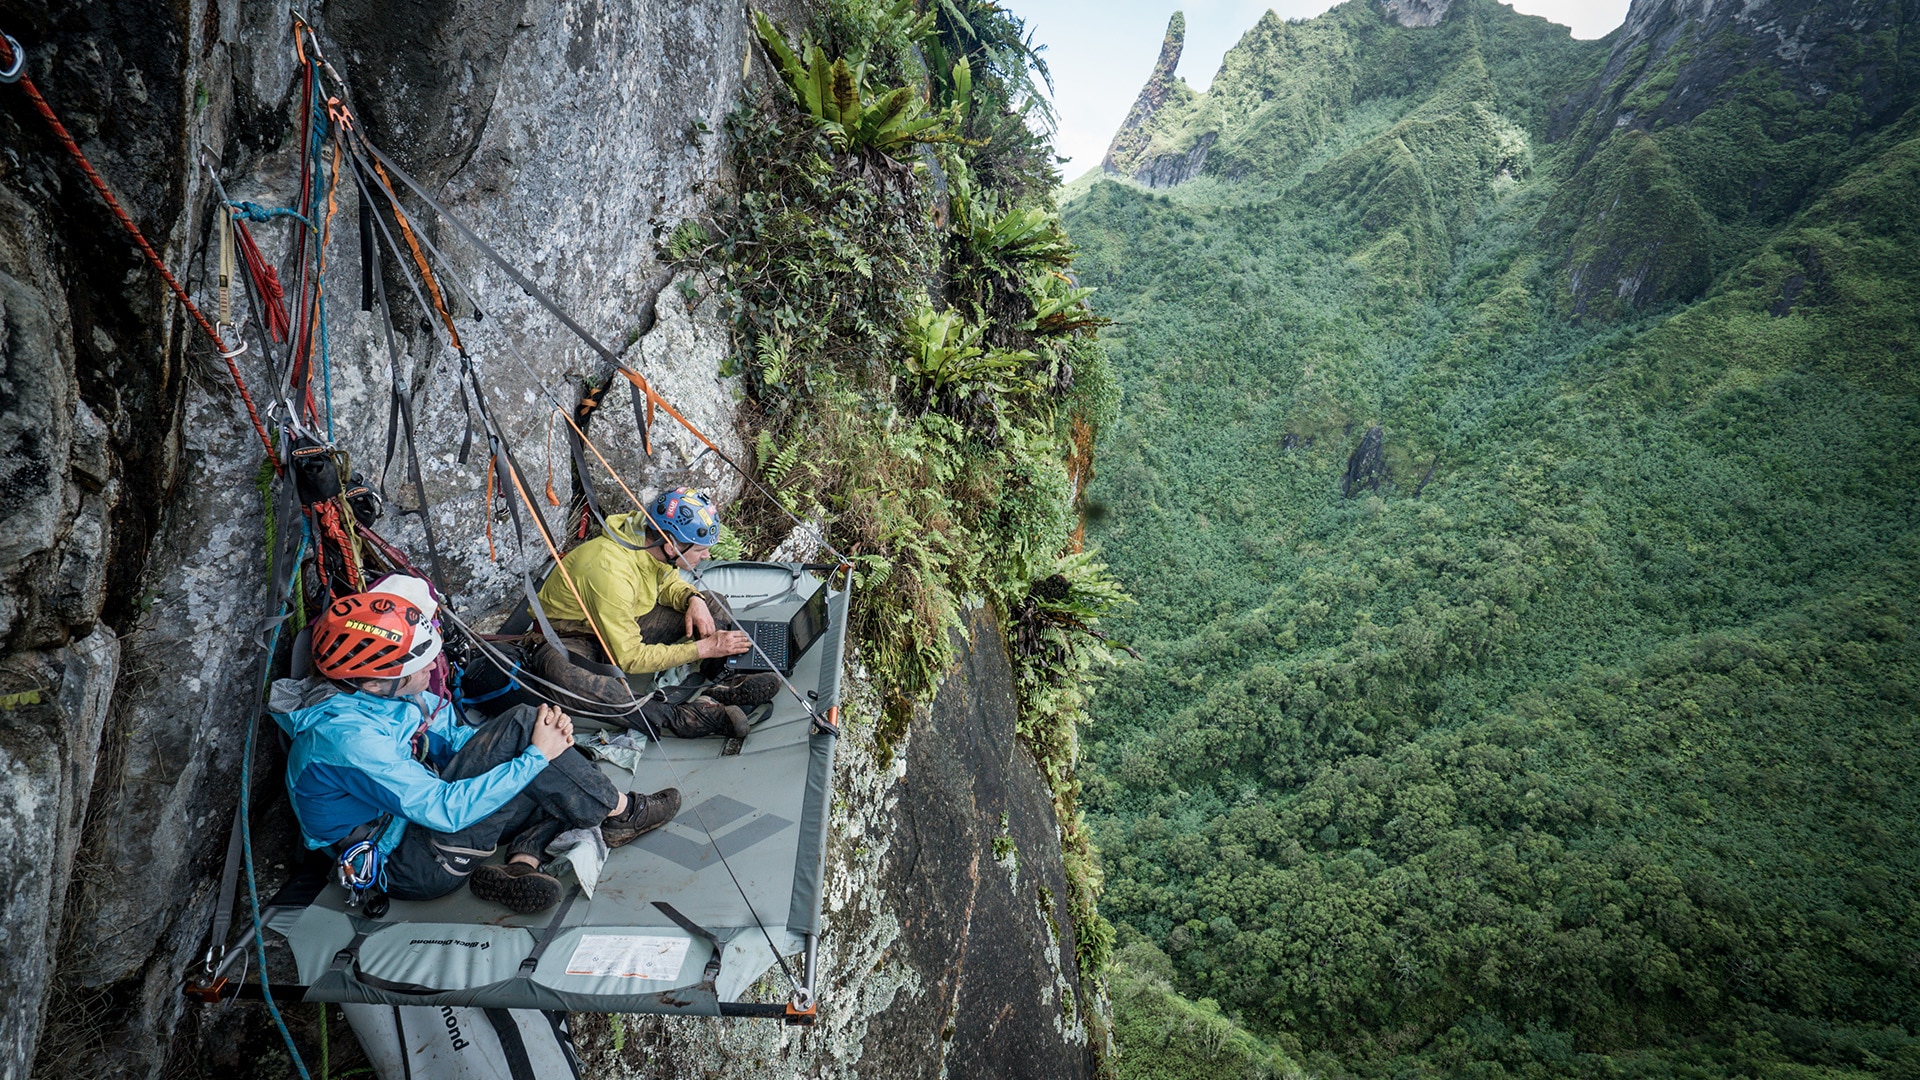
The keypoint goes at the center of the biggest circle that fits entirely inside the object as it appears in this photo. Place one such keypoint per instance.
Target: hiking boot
(644, 814)
(516, 885)
(745, 691)
(699, 718)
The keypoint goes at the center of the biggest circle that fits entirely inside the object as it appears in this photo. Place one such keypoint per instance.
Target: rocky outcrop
(1367, 465)
(1279, 93)
(1166, 170)
(1131, 153)
(1415, 12)
(1642, 238)
(1663, 192)
(1675, 59)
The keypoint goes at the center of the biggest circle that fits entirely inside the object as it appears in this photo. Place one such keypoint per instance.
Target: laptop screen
(808, 624)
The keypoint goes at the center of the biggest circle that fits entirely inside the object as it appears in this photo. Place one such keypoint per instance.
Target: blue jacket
(352, 761)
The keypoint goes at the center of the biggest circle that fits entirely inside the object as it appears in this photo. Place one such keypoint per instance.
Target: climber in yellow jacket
(650, 619)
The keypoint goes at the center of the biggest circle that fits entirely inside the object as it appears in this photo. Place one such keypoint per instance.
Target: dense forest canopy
(1516, 476)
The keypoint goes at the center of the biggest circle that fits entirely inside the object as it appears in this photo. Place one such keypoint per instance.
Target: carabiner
(19, 68)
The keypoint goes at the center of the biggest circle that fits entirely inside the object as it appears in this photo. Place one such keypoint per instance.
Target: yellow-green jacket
(620, 585)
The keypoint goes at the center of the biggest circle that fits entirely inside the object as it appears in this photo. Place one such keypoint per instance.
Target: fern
(853, 115)
(772, 354)
(782, 464)
(1059, 306)
(945, 357)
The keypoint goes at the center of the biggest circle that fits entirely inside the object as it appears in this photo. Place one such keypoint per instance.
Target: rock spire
(1133, 136)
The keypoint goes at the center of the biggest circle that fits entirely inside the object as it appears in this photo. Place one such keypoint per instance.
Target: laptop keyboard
(772, 639)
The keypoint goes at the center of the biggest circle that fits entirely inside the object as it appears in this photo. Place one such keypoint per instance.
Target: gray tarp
(767, 807)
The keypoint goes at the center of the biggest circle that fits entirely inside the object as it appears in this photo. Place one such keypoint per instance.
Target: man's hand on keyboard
(723, 643)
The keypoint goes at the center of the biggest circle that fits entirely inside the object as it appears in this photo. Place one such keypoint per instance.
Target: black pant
(586, 670)
(570, 793)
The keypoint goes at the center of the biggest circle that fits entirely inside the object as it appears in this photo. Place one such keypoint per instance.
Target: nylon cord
(139, 238)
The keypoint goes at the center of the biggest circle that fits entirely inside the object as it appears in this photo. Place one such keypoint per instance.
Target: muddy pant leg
(570, 793)
(662, 626)
(598, 685)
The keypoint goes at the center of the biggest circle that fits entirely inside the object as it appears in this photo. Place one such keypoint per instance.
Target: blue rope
(246, 844)
(256, 212)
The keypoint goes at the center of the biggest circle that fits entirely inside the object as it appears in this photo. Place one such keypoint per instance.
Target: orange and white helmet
(386, 632)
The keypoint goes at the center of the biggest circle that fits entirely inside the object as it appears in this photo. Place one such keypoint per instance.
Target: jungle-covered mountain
(1518, 477)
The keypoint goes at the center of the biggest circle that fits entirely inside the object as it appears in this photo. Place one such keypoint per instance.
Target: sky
(1101, 51)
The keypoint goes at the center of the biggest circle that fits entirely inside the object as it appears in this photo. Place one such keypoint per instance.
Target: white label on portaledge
(628, 956)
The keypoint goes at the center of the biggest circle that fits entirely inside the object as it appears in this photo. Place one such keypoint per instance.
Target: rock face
(1662, 109)
(1693, 51)
(132, 547)
(1642, 237)
(47, 764)
(1367, 465)
(974, 869)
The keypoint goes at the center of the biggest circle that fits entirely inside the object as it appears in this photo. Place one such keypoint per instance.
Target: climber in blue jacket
(374, 753)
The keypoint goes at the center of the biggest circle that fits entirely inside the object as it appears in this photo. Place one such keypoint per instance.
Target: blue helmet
(685, 517)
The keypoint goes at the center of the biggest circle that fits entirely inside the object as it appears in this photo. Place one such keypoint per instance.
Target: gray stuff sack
(418, 1042)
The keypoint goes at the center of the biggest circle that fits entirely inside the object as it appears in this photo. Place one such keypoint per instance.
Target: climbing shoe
(699, 718)
(746, 691)
(644, 814)
(518, 886)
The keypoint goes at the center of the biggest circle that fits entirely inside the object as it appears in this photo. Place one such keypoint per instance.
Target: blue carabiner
(360, 868)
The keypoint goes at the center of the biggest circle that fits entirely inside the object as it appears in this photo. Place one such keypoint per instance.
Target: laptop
(782, 643)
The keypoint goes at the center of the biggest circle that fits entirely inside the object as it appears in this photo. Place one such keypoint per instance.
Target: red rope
(266, 281)
(80, 159)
